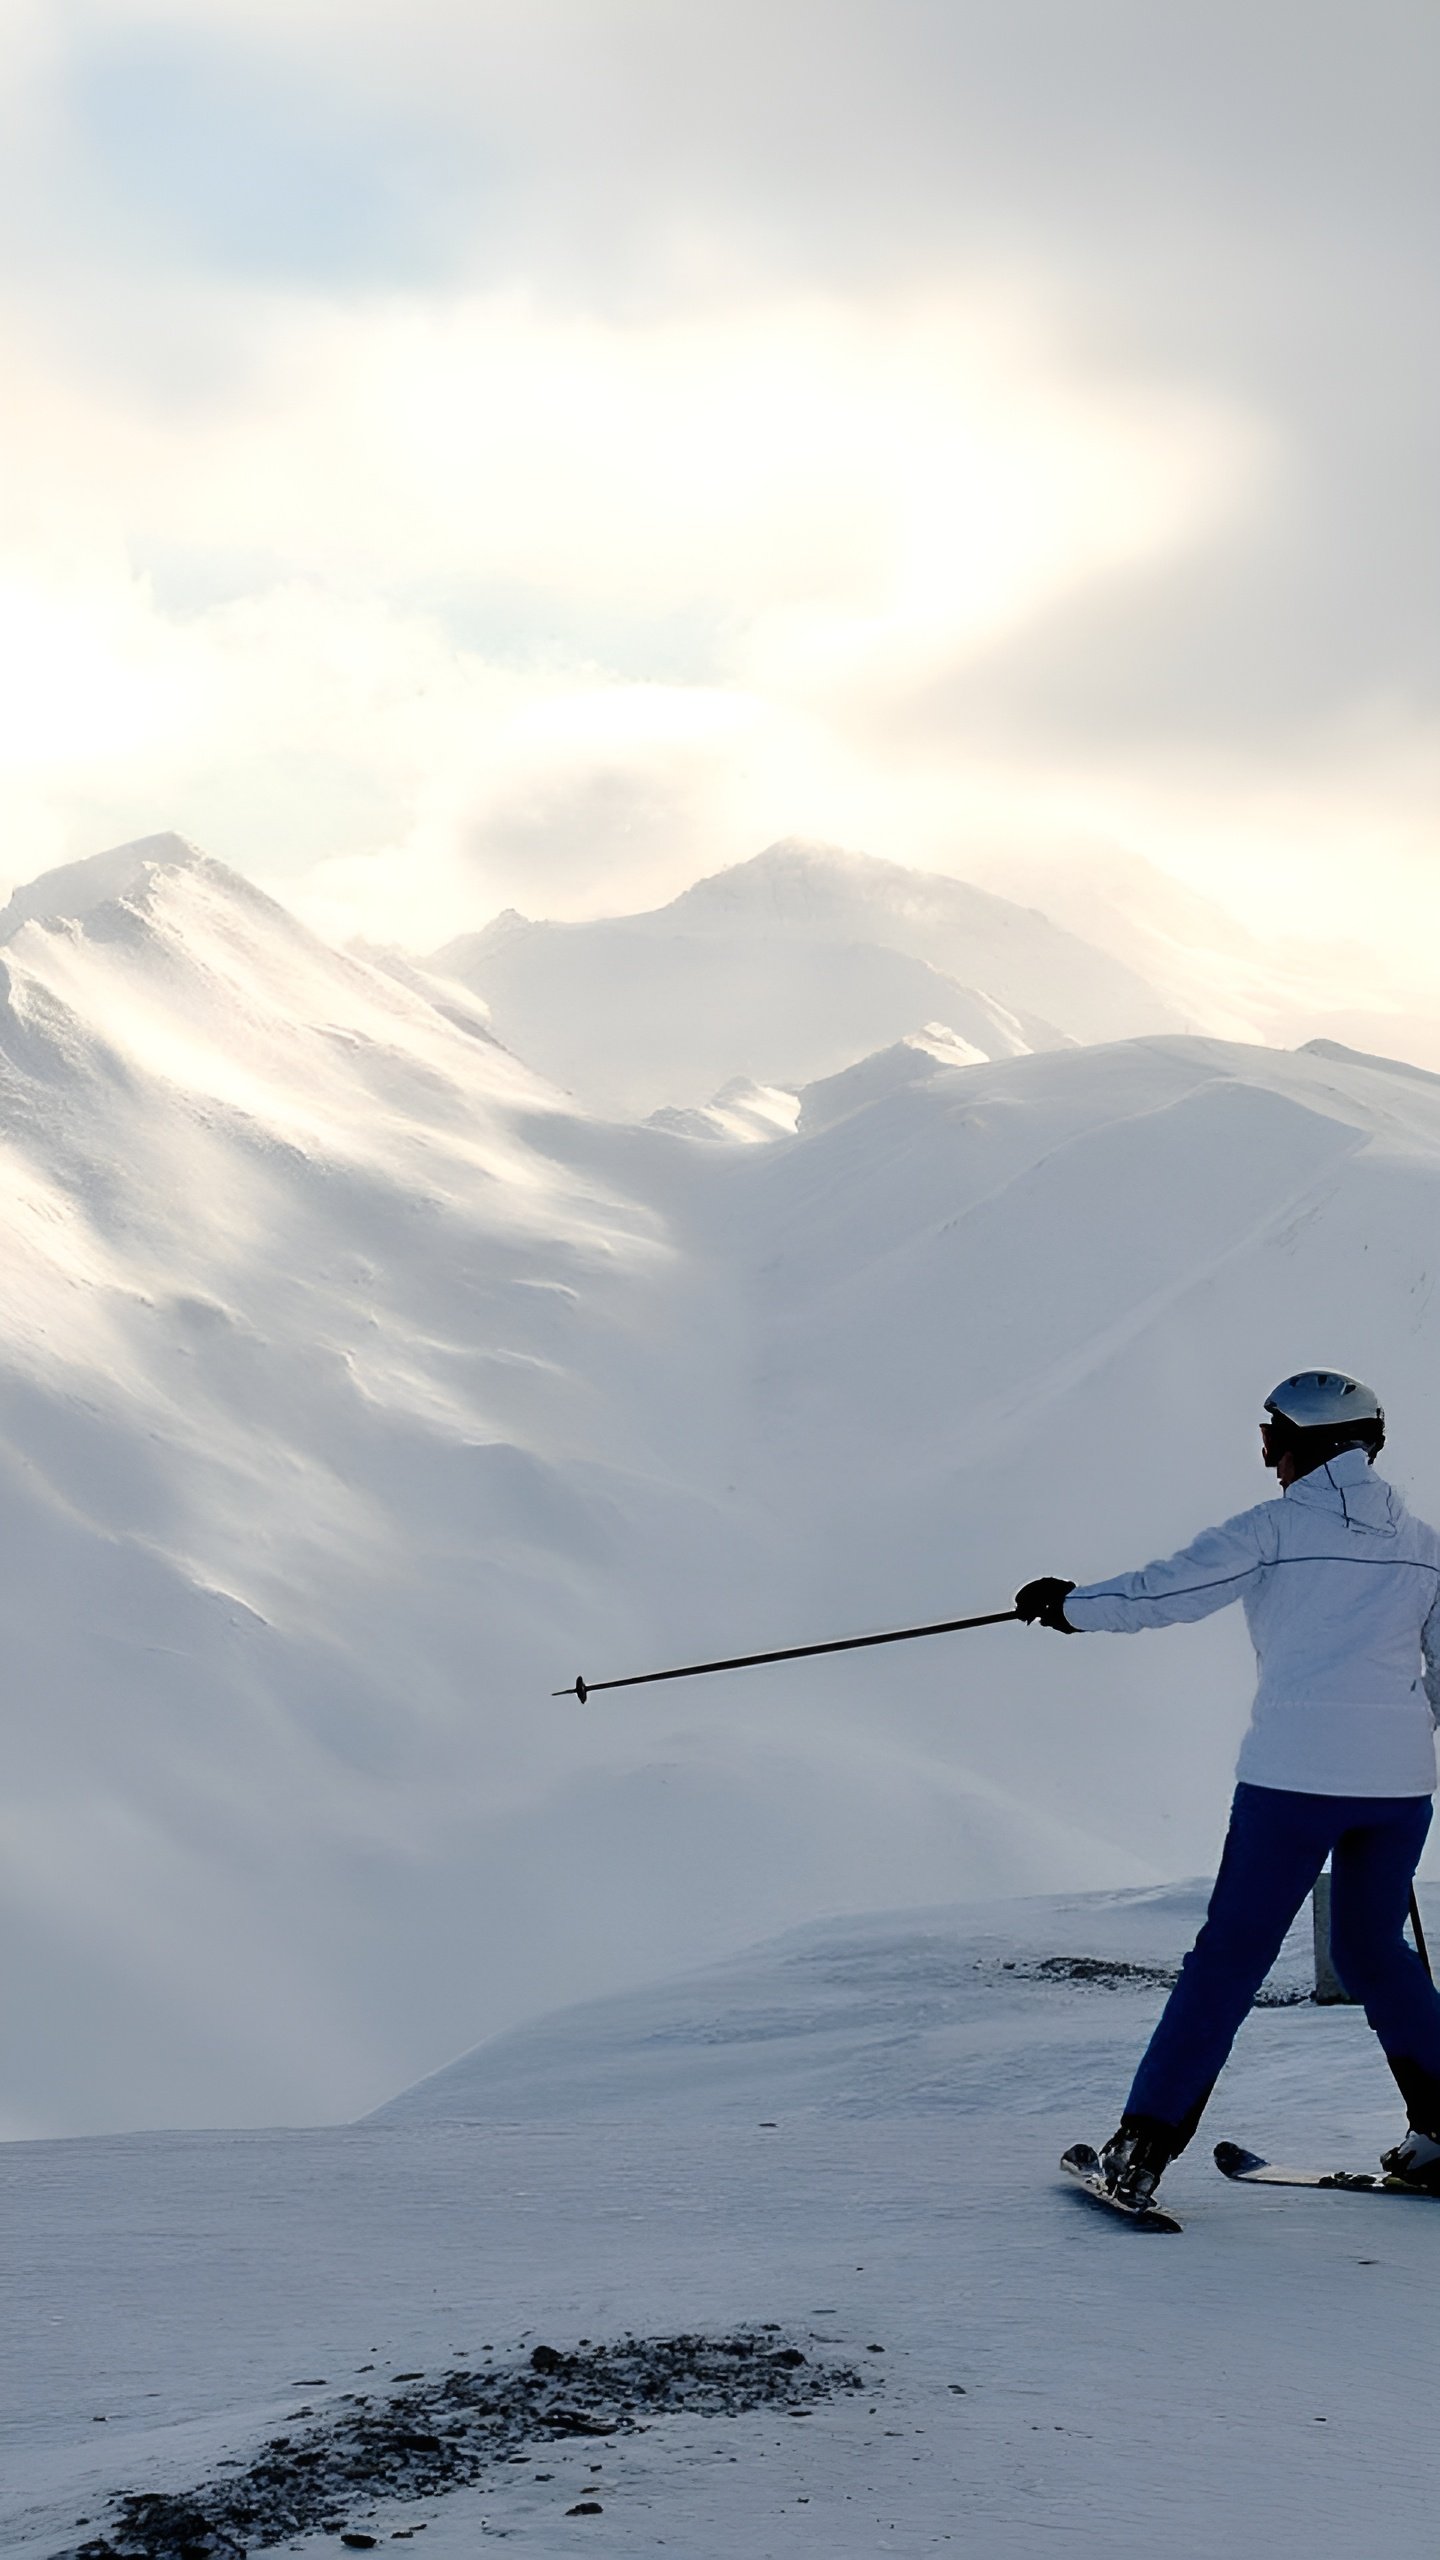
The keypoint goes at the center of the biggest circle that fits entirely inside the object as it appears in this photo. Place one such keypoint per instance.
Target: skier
(1341, 1586)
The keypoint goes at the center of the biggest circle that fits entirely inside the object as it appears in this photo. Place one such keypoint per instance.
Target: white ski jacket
(1341, 1586)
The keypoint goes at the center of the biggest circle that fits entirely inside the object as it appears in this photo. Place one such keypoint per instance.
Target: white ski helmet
(1339, 1410)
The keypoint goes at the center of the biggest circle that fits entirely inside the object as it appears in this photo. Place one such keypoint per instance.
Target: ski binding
(1083, 2165)
(1251, 2169)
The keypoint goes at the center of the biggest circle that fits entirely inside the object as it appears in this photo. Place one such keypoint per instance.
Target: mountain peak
(74, 889)
(786, 969)
(795, 876)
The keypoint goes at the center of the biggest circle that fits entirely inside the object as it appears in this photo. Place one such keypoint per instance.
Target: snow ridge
(788, 968)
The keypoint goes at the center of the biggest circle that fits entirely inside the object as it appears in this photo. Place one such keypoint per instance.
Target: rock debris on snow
(1113, 1973)
(448, 2432)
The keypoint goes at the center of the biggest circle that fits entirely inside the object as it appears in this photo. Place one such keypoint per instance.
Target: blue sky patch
(248, 169)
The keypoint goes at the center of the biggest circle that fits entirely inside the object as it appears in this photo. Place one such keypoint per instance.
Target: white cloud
(406, 603)
(889, 426)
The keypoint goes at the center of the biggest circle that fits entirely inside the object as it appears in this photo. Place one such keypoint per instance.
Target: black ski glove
(1042, 1604)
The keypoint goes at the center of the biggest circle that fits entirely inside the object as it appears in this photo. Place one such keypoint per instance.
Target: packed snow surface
(853, 2135)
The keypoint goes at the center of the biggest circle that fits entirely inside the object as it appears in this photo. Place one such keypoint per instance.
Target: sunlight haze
(476, 457)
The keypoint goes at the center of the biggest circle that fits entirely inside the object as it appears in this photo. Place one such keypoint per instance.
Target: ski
(1083, 2165)
(1250, 2169)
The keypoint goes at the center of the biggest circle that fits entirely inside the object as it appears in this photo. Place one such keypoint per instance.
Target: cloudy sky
(461, 453)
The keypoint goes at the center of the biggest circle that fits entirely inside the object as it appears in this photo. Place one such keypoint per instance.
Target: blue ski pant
(1276, 1845)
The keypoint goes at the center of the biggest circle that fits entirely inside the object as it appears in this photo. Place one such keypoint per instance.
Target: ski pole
(789, 1653)
(1418, 1933)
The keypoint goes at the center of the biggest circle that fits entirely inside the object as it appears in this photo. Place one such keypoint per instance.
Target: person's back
(1340, 1583)
(1341, 1589)
(1348, 1686)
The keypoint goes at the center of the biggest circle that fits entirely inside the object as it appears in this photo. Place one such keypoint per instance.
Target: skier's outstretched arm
(1217, 1567)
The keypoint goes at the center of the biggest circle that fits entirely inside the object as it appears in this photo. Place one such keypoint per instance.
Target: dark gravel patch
(448, 2431)
(1114, 1973)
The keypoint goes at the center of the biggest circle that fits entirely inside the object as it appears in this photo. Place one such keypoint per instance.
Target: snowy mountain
(787, 968)
(302, 1406)
(358, 1391)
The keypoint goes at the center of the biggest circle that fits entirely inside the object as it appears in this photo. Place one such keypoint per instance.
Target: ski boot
(1415, 2162)
(1134, 2158)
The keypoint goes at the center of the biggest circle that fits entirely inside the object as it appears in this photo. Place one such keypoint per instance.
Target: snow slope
(957, 2010)
(358, 1391)
(300, 1397)
(787, 968)
(1004, 1319)
(852, 2134)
